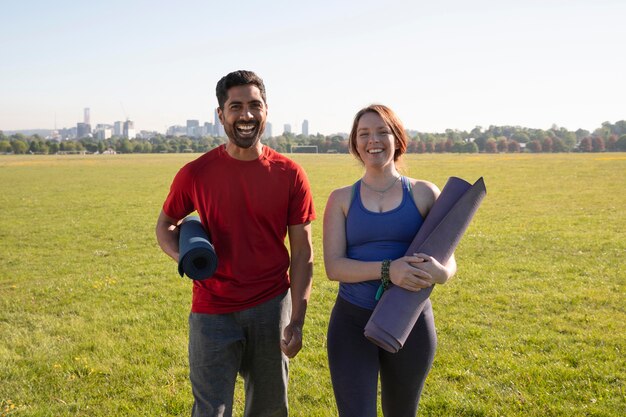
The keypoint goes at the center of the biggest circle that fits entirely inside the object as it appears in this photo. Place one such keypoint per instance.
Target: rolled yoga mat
(398, 309)
(197, 257)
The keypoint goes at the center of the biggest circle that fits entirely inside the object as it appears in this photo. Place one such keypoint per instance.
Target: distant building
(118, 128)
(147, 134)
(208, 129)
(104, 133)
(305, 128)
(83, 130)
(218, 129)
(129, 129)
(87, 116)
(67, 133)
(176, 130)
(192, 128)
(286, 128)
(267, 133)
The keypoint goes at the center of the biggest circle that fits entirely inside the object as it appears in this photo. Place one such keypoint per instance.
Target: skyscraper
(82, 130)
(129, 129)
(117, 128)
(208, 129)
(87, 116)
(192, 128)
(286, 128)
(218, 129)
(267, 133)
(305, 128)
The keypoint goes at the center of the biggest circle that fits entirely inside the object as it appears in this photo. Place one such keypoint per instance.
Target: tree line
(495, 139)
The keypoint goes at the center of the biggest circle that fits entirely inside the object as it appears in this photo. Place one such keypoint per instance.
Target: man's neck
(244, 154)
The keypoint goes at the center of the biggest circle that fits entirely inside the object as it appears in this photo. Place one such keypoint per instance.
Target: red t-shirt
(246, 207)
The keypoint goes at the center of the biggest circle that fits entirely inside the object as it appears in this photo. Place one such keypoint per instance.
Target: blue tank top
(372, 236)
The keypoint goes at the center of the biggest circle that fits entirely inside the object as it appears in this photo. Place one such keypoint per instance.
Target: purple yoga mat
(398, 309)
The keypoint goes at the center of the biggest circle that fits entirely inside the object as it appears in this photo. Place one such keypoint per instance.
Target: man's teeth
(246, 127)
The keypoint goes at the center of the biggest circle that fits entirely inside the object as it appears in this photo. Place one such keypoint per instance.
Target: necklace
(381, 193)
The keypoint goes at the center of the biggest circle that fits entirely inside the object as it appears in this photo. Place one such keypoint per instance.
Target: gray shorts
(245, 342)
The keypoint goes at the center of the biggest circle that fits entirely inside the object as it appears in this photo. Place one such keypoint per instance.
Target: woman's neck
(380, 177)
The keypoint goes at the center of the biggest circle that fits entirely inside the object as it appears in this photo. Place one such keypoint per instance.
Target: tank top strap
(356, 187)
(406, 184)
(408, 191)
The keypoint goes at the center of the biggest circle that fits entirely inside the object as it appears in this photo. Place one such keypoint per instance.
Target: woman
(367, 229)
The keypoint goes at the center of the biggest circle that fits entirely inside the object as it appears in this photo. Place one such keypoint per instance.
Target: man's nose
(246, 114)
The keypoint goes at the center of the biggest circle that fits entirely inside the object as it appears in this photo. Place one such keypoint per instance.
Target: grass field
(93, 317)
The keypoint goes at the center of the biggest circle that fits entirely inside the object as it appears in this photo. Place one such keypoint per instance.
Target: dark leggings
(355, 362)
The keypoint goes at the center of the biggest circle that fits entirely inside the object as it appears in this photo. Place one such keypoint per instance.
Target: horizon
(483, 128)
(440, 66)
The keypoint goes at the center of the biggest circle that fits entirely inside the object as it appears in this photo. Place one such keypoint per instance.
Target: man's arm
(167, 235)
(301, 274)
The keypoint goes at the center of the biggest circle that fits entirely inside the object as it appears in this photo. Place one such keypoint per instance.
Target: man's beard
(242, 140)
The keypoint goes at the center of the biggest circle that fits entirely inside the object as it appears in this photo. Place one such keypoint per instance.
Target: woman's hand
(437, 272)
(405, 273)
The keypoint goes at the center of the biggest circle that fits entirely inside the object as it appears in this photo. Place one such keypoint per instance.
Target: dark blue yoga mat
(397, 311)
(197, 257)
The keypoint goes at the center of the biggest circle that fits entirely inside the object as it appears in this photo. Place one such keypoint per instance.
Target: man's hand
(292, 341)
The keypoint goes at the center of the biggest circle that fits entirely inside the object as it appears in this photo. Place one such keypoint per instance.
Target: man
(249, 197)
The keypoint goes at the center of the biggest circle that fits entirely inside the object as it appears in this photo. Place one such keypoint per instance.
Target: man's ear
(220, 115)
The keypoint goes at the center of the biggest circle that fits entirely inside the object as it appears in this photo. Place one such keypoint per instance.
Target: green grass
(93, 317)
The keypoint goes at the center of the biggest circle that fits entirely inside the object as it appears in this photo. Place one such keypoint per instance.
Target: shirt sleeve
(301, 208)
(179, 202)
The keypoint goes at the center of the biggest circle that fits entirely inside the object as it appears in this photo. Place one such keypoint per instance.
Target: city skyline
(192, 127)
(449, 65)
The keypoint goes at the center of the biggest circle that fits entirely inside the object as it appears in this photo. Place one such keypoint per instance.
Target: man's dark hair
(235, 79)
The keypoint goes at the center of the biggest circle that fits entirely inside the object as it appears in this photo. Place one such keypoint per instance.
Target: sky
(449, 64)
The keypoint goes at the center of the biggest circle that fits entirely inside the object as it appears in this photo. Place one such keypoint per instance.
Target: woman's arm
(340, 268)
(425, 194)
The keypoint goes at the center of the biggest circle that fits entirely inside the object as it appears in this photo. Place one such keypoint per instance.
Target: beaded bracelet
(384, 278)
